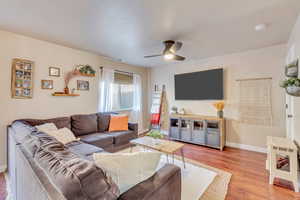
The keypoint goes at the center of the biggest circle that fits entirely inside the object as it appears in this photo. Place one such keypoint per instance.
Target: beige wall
(267, 62)
(43, 105)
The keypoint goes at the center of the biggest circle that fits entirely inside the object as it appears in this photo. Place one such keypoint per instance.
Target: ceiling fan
(169, 52)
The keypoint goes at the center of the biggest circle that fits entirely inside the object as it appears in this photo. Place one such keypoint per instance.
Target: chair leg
(296, 186)
(271, 180)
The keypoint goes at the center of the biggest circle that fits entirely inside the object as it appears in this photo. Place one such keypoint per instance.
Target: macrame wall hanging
(255, 101)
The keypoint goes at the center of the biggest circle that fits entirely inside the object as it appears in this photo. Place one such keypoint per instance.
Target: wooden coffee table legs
(182, 157)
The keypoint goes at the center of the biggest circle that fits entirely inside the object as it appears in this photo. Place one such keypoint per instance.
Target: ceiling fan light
(169, 56)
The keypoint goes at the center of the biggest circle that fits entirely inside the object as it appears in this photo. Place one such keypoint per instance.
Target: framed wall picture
(47, 84)
(22, 79)
(54, 71)
(83, 85)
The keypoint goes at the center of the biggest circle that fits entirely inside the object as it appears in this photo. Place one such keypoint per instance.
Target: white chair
(285, 148)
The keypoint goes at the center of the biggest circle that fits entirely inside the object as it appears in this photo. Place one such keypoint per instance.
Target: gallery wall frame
(22, 82)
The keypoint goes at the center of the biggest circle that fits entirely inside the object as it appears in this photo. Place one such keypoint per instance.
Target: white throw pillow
(63, 135)
(47, 127)
(128, 169)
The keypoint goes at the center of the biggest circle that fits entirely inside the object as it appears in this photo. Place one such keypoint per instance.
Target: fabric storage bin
(213, 139)
(185, 130)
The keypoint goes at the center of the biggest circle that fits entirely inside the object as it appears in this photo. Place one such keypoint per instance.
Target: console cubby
(198, 132)
(174, 129)
(185, 130)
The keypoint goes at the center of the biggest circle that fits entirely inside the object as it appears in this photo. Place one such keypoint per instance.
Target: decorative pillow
(63, 135)
(128, 169)
(118, 123)
(47, 127)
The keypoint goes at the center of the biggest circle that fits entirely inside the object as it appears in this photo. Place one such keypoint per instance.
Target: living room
(135, 100)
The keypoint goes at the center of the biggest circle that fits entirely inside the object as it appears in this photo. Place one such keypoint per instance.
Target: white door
(289, 116)
(296, 119)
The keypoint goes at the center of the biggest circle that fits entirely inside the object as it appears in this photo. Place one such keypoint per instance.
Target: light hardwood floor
(249, 180)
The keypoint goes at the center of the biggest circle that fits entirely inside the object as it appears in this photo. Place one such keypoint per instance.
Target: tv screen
(204, 85)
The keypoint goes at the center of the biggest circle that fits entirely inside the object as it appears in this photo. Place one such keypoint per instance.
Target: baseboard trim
(3, 168)
(246, 147)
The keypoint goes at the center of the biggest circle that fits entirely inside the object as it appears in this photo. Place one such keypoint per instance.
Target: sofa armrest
(134, 128)
(165, 184)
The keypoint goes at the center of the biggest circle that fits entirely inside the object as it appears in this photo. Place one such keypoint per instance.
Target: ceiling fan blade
(179, 58)
(175, 47)
(152, 56)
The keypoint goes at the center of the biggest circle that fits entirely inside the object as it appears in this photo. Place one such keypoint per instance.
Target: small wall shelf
(65, 95)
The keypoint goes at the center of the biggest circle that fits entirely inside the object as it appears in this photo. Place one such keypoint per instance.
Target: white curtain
(106, 90)
(136, 115)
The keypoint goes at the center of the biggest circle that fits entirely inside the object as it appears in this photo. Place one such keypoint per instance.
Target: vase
(220, 113)
(293, 90)
(66, 90)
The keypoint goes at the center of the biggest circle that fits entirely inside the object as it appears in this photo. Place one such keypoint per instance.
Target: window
(122, 91)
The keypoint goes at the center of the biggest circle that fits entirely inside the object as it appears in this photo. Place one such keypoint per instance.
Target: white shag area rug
(199, 182)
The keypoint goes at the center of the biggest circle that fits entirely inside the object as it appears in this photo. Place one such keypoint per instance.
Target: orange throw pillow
(118, 123)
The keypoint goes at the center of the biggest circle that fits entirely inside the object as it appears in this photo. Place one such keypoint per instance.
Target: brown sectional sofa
(63, 172)
(93, 129)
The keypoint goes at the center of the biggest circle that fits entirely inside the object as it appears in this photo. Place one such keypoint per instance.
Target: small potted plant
(219, 106)
(292, 86)
(156, 135)
(86, 69)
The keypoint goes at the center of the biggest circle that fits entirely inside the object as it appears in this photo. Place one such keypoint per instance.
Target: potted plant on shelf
(219, 106)
(156, 135)
(86, 70)
(292, 86)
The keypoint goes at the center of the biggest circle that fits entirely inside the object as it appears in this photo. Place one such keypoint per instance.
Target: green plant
(86, 69)
(155, 134)
(290, 82)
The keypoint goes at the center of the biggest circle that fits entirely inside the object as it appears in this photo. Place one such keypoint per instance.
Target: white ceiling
(130, 29)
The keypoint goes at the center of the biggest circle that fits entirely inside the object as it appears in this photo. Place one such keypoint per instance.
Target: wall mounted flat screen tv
(203, 85)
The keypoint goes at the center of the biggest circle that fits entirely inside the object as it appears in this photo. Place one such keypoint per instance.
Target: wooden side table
(286, 149)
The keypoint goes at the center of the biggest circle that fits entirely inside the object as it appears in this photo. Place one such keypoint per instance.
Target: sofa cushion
(84, 124)
(75, 177)
(122, 137)
(60, 122)
(35, 140)
(83, 149)
(103, 120)
(98, 139)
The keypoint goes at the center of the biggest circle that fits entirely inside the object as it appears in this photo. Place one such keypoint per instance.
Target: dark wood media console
(197, 129)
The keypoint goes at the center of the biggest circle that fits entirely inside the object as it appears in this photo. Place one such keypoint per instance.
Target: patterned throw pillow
(63, 135)
(47, 127)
